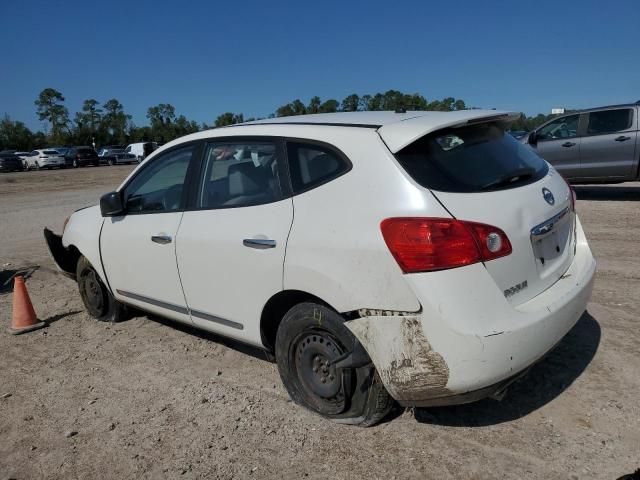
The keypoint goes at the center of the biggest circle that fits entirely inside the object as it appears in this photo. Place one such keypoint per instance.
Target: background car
(23, 157)
(598, 145)
(102, 151)
(81, 157)
(45, 158)
(117, 156)
(141, 149)
(10, 162)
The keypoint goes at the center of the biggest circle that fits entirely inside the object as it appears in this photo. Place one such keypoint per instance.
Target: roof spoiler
(400, 134)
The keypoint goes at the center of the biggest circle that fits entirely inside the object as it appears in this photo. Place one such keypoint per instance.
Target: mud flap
(64, 259)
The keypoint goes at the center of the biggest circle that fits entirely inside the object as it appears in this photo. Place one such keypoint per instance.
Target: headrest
(246, 179)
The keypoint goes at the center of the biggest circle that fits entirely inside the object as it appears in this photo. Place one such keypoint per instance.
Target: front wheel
(96, 297)
(313, 351)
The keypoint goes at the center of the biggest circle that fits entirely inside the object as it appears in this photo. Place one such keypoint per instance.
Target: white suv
(422, 257)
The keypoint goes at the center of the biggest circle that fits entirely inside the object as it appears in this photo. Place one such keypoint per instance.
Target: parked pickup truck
(598, 145)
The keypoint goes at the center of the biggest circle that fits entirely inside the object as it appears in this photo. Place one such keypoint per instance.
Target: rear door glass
(609, 121)
(312, 165)
(471, 159)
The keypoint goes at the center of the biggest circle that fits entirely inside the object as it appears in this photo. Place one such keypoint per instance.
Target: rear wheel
(111, 163)
(313, 349)
(75, 164)
(96, 297)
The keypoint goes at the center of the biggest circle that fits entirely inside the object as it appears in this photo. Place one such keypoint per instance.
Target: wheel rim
(92, 293)
(315, 352)
(75, 164)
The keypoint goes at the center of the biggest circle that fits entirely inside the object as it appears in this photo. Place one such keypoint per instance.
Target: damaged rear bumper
(62, 257)
(468, 342)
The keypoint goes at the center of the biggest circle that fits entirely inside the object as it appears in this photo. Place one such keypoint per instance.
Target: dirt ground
(150, 399)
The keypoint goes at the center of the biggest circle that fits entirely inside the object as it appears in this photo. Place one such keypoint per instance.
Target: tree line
(107, 123)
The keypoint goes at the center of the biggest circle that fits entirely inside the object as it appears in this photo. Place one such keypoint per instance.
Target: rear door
(608, 148)
(232, 240)
(482, 174)
(558, 142)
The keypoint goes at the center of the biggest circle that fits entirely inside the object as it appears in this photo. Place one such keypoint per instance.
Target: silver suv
(596, 145)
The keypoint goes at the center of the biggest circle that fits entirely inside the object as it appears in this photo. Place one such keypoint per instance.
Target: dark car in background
(116, 156)
(102, 151)
(81, 157)
(10, 162)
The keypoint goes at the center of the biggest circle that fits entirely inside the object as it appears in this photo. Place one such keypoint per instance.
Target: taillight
(428, 244)
(572, 193)
(77, 156)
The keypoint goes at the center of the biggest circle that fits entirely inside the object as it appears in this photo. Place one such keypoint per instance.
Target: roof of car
(368, 119)
(397, 129)
(604, 107)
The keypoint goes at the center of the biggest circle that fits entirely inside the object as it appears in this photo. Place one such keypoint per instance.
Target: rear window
(311, 165)
(471, 159)
(609, 121)
(51, 152)
(86, 150)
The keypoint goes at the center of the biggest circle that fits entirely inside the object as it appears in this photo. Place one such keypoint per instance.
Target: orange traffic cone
(24, 317)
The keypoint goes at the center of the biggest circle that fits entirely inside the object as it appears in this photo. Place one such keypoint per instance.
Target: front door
(231, 243)
(608, 148)
(138, 248)
(559, 144)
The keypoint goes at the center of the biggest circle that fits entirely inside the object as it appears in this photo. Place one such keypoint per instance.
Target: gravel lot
(150, 399)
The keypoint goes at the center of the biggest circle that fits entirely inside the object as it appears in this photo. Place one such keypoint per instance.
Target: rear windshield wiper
(520, 175)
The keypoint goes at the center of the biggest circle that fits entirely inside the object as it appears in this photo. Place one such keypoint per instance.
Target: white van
(141, 149)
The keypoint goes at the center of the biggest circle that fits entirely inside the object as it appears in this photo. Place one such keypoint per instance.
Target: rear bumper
(468, 342)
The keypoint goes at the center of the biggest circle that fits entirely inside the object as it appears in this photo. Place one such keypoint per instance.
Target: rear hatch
(482, 174)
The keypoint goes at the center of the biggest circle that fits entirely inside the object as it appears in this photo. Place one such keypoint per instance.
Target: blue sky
(207, 57)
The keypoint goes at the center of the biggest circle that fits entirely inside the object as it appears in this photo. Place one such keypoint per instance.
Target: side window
(609, 121)
(239, 174)
(158, 187)
(128, 149)
(564, 127)
(311, 165)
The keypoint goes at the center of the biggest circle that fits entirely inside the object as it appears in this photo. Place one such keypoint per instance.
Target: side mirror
(533, 138)
(111, 204)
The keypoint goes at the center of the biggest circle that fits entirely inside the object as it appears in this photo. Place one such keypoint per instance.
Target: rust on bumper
(410, 369)
(64, 259)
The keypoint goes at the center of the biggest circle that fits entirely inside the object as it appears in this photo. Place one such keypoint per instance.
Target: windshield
(471, 159)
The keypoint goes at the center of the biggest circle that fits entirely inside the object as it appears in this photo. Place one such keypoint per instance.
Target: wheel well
(275, 310)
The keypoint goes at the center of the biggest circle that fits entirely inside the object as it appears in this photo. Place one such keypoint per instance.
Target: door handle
(161, 239)
(622, 138)
(259, 243)
(568, 144)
